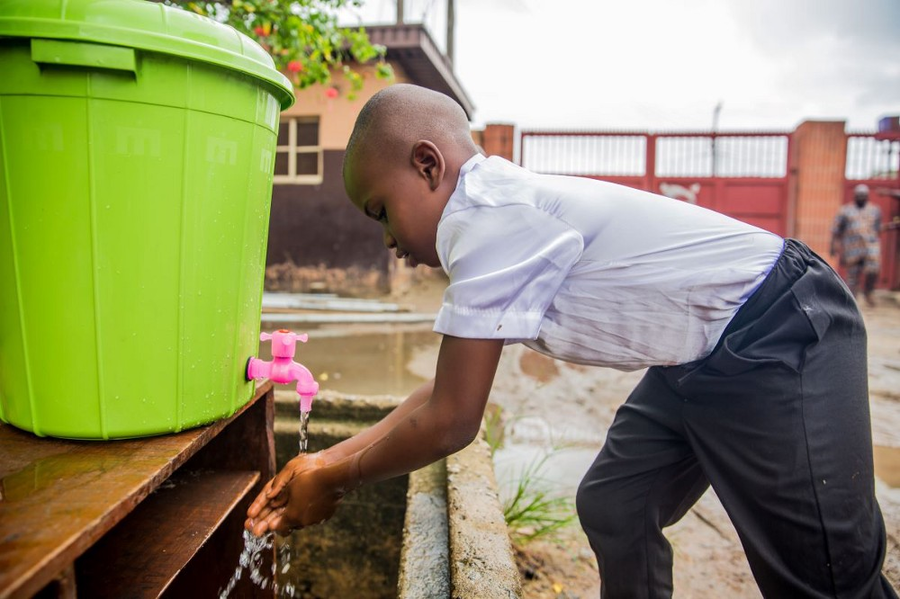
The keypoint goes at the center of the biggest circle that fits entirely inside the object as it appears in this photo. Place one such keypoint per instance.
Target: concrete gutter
(425, 556)
(455, 541)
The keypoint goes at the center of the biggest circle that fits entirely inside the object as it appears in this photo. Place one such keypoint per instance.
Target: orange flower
(295, 66)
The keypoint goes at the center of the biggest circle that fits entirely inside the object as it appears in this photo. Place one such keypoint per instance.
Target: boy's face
(399, 197)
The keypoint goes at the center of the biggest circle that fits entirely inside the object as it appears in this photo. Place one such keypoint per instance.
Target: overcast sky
(666, 64)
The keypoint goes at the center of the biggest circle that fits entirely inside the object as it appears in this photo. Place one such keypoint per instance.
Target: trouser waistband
(794, 261)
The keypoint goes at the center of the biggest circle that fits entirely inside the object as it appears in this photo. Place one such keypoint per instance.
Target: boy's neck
(454, 169)
(456, 163)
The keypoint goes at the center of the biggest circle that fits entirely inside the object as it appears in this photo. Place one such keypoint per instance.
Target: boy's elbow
(461, 439)
(458, 433)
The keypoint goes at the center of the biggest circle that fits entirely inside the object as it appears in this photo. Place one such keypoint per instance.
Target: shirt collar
(470, 164)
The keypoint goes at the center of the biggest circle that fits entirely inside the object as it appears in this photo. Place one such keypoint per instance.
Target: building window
(298, 158)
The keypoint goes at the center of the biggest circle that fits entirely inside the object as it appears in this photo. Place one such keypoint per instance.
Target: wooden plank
(59, 497)
(62, 587)
(146, 551)
(212, 569)
(247, 444)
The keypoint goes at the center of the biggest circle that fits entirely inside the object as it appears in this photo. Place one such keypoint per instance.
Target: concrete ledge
(481, 558)
(331, 405)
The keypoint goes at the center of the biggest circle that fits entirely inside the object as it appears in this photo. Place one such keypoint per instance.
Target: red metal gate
(743, 175)
(748, 175)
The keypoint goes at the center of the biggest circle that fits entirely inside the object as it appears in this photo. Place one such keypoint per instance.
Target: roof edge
(407, 41)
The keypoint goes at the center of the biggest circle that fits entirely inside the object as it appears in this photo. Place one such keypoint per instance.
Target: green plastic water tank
(137, 147)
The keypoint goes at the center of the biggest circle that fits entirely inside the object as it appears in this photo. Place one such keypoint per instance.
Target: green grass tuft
(533, 512)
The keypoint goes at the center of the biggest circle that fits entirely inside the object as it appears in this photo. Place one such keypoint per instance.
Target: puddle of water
(887, 464)
(361, 362)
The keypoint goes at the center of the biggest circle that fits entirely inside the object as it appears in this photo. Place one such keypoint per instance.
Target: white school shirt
(589, 271)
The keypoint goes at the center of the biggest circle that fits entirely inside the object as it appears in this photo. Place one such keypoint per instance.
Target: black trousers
(776, 419)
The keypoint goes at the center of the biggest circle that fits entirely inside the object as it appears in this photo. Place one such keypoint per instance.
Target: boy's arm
(350, 446)
(445, 422)
(436, 420)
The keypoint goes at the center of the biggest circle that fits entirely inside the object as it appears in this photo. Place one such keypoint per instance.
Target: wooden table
(133, 518)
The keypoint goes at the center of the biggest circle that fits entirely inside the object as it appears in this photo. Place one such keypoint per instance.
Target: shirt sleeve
(505, 266)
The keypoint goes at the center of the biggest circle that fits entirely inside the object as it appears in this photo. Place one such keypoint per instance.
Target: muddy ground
(561, 412)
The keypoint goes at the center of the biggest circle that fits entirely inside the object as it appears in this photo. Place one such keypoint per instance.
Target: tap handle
(286, 338)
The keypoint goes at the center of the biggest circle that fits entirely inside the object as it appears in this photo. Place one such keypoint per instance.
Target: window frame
(293, 151)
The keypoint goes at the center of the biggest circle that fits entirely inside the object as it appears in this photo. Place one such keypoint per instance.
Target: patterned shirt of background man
(858, 229)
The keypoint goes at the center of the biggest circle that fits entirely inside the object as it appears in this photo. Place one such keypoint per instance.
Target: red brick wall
(498, 140)
(818, 158)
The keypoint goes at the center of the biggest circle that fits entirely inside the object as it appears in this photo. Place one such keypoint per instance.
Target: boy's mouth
(410, 261)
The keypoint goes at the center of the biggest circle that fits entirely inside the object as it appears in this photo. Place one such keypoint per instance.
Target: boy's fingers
(278, 500)
(281, 526)
(263, 513)
(260, 501)
(278, 483)
(262, 526)
(272, 525)
(256, 527)
(250, 524)
(256, 506)
(272, 522)
(260, 529)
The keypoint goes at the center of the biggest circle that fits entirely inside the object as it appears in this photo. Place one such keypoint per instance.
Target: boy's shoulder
(491, 182)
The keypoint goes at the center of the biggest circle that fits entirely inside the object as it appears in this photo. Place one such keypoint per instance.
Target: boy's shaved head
(398, 116)
(402, 165)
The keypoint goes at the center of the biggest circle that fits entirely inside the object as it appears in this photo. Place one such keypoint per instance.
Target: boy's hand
(298, 496)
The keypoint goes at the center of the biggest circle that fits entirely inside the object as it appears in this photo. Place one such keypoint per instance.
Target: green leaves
(303, 38)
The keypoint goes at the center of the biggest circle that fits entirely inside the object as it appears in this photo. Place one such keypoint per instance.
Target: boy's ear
(429, 162)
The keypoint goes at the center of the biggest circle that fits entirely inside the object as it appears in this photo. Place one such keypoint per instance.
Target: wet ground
(560, 412)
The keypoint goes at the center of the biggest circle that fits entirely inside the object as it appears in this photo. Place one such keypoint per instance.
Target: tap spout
(282, 368)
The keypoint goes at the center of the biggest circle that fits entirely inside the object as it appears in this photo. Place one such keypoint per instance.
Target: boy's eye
(382, 216)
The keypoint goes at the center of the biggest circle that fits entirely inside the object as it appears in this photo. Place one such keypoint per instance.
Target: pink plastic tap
(282, 368)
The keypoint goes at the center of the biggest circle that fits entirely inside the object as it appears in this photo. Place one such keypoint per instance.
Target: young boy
(757, 353)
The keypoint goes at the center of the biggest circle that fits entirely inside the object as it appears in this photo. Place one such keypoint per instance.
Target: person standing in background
(855, 234)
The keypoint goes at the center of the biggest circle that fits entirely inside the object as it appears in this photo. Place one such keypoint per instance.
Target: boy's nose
(389, 241)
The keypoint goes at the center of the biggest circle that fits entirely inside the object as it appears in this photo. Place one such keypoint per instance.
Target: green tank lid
(147, 26)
